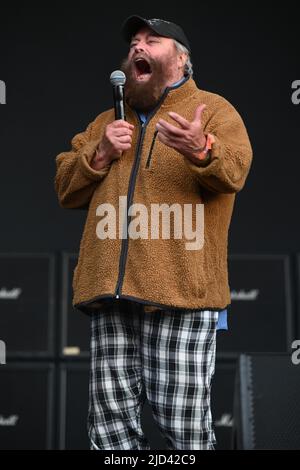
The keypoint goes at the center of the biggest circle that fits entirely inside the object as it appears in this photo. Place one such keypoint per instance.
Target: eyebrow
(136, 38)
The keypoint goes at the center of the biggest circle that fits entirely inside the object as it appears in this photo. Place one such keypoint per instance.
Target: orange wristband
(209, 142)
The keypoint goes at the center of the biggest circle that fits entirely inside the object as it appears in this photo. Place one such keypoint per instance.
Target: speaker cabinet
(266, 402)
(260, 316)
(27, 304)
(26, 406)
(73, 407)
(222, 394)
(75, 325)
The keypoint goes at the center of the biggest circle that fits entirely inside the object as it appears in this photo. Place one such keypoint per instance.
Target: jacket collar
(173, 95)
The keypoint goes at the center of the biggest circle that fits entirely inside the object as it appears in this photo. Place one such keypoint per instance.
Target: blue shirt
(222, 318)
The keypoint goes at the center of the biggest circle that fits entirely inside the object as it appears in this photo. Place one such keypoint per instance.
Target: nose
(139, 47)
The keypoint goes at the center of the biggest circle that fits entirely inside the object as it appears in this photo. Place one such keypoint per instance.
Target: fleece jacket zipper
(131, 187)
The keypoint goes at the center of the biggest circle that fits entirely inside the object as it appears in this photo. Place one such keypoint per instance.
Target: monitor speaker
(266, 402)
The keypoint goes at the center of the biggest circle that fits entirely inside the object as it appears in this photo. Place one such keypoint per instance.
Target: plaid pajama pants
(165, 356)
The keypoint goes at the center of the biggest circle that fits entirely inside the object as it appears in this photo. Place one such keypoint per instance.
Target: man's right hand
(116, 139)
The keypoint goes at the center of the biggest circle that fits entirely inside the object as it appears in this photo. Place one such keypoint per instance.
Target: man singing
(155, 300)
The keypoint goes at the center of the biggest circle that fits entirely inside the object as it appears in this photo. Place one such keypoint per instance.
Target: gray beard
(145, 96)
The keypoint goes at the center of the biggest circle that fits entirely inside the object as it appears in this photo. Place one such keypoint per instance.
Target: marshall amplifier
(260, 317)
(73, 406)
(222, 403)
(26, 406)
(75, 325)
(266, 403)
(27, 304)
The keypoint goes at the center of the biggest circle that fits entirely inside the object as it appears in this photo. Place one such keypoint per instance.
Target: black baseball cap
(162, 27)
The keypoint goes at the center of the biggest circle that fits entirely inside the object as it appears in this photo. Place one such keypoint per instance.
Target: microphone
(118, 79)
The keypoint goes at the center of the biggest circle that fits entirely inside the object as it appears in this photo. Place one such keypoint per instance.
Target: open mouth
(142, 69)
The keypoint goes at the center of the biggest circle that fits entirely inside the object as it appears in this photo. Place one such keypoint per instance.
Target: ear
(181, 59)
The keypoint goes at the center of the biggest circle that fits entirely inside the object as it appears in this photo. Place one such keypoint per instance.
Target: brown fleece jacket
(157, 272)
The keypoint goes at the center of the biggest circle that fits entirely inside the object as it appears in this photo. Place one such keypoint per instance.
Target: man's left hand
(188, 139)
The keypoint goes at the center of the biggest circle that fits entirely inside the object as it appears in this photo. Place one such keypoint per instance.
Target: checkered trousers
(166, 356)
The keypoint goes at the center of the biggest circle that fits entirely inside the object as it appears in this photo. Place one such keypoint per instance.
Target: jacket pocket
(151, 150)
